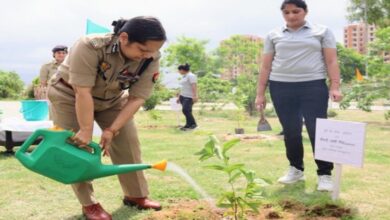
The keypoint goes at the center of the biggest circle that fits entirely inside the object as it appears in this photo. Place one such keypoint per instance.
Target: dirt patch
(187, 209)
(252, 137)
(201, 210)
(328, 210)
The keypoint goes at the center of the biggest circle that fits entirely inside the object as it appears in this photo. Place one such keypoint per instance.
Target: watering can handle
(96, 148)
(30, 140)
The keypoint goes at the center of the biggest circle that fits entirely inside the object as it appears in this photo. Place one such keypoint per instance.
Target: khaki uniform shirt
(95, 61)
(48, 70)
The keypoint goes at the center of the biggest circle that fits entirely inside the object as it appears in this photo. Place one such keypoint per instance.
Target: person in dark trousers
(297, 59)
(188, 95)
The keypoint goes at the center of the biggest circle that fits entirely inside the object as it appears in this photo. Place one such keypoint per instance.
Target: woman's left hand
(105, 141)
(335, 95)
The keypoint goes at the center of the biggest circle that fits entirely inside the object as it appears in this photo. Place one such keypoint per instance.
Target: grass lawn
(26, 195)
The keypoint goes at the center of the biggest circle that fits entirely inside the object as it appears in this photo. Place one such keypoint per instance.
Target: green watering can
(59, 160)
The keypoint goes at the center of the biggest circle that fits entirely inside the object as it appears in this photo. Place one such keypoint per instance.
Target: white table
(14, 131)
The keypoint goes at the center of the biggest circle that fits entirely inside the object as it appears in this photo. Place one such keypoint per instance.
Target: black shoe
(192, 127)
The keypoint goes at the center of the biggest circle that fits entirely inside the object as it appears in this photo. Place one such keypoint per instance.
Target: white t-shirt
(298, 55)
(186, 84)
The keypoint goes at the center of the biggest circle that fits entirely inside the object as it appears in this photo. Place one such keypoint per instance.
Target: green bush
(160, 93)
(11, 86)
(29, 92)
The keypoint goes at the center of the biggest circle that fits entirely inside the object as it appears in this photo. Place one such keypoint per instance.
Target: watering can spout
(108, 170)
(160, 165)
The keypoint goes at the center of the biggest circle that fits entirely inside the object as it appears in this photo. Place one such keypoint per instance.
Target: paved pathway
(12, 108)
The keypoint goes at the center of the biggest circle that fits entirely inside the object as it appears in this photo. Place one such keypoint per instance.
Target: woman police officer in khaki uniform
(90, 85)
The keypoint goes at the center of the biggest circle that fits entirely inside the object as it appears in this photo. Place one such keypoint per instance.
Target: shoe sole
(324, 190)
(292, 182)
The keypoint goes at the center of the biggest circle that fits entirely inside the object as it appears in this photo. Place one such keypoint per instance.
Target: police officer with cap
(48, 69)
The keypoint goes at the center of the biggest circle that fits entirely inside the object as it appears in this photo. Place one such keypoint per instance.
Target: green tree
(378, 11)
(245, 94)
(241, 52)
(187, 50)
(381, 44)
(377, 86)
(11, 86)
(212, 88)
(349, 59)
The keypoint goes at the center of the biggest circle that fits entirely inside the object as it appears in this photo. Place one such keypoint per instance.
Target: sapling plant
(245, 189)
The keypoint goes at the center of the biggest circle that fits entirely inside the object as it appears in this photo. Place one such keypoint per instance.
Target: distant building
(355, 36)
(239, 61)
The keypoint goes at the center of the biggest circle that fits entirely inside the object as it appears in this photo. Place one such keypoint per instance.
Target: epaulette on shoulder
(99, 41)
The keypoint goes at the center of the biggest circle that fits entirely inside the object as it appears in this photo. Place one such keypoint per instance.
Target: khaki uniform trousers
(125, 148)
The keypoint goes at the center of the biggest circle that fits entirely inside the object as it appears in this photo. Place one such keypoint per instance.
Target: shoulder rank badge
(155, 77)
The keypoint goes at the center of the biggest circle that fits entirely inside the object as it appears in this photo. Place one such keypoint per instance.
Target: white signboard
(340, 141)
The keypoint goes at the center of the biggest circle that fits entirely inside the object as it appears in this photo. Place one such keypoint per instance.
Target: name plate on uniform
(340, 141)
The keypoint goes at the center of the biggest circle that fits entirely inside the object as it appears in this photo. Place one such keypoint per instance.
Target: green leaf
(229, 144)
(253, 205)
(215, 167)
(231, 168)
(207, 152)
(224, 205)
(216, 147)
(262, 181)
(249, 174)
(234, 177)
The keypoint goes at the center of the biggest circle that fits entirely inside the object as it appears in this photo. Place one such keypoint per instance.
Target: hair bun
(118, 24)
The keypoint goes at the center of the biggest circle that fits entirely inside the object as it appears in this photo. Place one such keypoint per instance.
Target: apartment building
(356, 37)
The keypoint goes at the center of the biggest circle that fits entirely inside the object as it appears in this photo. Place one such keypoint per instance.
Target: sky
(30, 29)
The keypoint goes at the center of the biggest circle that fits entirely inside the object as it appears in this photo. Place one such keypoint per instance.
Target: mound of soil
(187, 209)
(201, 210)
(251, 137)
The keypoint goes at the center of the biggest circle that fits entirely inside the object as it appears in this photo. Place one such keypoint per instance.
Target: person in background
(297, 59)
(49, 69)
(90, 86)
(188, 95)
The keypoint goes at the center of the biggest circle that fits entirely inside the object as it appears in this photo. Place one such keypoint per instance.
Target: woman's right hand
(261, 102)
(82, 138)
(106, 140)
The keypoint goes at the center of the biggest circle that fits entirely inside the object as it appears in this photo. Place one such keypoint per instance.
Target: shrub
(11, 86)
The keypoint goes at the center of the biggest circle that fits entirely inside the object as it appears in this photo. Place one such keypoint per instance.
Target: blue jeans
(294, 101)
(187, 103)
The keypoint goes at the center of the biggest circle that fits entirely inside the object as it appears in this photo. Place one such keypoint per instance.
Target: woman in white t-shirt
(297, 59)
(188, 95)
